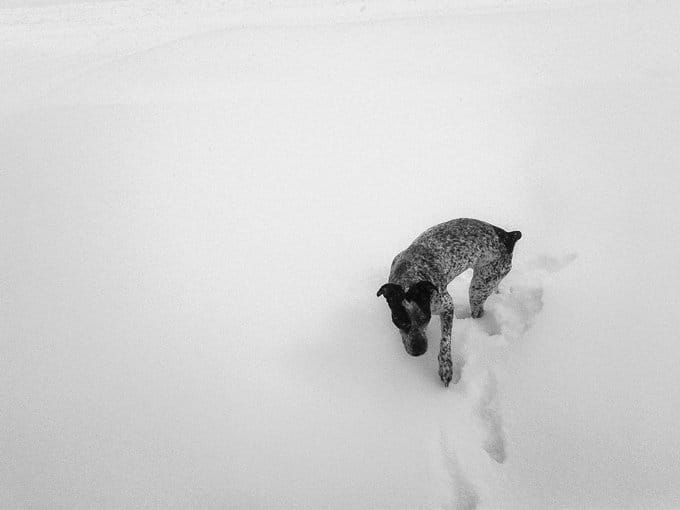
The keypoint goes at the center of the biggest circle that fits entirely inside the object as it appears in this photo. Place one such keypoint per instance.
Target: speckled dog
(421, 273)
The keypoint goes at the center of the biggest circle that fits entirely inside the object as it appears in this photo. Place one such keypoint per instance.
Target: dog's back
(446, 250)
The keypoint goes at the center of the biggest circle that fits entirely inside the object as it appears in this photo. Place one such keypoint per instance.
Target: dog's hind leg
(446, 368)
(484, 281)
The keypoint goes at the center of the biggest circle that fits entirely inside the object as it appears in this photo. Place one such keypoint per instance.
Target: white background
(199, 200)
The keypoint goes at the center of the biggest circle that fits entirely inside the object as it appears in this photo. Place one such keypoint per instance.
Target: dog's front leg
(447, 371)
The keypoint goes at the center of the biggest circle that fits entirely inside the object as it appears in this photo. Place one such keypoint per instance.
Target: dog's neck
(406, 273)
(416, 264)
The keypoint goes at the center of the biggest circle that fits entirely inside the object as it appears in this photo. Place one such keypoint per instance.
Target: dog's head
(410, 313)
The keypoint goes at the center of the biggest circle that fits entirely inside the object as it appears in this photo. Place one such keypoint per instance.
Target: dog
(417, 285)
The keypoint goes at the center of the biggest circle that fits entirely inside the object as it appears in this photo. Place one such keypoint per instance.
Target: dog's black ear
(391, 291)
(394, 294)
(421, 293)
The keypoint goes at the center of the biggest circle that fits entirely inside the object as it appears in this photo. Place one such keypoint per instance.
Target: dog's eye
(401, 323)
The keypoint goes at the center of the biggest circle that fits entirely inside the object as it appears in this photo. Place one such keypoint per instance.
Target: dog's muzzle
(415, 343)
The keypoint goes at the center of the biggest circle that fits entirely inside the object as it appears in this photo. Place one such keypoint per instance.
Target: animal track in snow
(461, 494)
(485, 342)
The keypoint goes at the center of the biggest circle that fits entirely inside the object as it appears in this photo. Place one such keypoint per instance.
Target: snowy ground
(198, 203)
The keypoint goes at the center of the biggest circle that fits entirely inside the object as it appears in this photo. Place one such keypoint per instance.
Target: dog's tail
(509, 238)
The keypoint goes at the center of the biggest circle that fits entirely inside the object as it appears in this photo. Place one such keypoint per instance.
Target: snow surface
(198, 202)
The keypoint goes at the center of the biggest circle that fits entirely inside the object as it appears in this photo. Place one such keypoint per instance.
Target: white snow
(199, 201)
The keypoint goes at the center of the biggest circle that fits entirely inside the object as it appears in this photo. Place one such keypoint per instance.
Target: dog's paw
(449, 375)
(478, 313)
(445, 367)
(447, 372)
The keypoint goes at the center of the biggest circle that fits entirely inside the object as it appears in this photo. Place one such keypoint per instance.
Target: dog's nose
(417, 350)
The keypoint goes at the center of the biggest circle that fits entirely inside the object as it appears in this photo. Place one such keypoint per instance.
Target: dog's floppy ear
(394, 294)
(391, 291)
(420, 294)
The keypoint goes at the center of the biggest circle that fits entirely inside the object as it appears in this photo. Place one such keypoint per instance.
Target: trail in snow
(483, 345)
(461, 493)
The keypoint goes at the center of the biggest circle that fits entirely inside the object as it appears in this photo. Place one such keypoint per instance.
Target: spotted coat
(437, 256)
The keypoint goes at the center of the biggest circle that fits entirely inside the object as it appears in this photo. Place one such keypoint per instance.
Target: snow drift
(198, 205)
